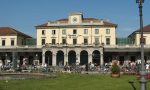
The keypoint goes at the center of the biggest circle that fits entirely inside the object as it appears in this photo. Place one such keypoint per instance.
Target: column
(43, 58)
(90, 58)
(78, 58)
(54, 59)
(65, 59)
(101, 59)
(14, 59)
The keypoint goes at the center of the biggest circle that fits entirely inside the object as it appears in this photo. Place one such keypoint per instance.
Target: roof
(8, 31)
(84, 20)
(145, 29)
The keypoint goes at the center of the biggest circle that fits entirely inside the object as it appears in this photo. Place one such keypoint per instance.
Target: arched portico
(60, 58)
(83, 57)
(96, 57)
(48, 57)
(71, 57)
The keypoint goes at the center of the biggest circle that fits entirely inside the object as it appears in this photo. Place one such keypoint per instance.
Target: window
(96, 31)
(85, 41)
(53, 41)
(64, 41)
(74, 41)
(144, 40)
(43, 32)
(12, 42)
(107, 31)
(96, 40)
(53, 32)
(43, 41)
(63, 31)
(107, 41)
(3, 42)
(22, 42)
(85, 31)
(74, 31)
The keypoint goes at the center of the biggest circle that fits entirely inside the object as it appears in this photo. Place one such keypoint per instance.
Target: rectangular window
(107, 41)
(64, 41)
(74, 31)
(96, 40)
(85, 31)
(96, 31)
(107, 31)
(74, 41)
(3, 42)
(63, 31)
(85, 41)
(144, 40)
(43, 32)
(12, 42)
(22, 42)
(43, 41)
(53, 41)
(53, 32)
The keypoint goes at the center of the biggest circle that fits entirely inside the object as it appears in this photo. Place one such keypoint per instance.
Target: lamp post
(142, 71)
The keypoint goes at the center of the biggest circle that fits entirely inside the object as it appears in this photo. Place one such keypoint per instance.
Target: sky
(24, 15)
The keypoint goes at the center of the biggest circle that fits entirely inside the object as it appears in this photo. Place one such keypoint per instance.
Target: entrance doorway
(60, 58)
(71, 57)
(83, 57)
(48, 57)
(96, 57)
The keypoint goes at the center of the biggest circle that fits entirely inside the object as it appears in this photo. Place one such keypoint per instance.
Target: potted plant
(115, 70)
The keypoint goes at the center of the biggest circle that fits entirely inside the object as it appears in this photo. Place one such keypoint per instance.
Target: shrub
(115, 68)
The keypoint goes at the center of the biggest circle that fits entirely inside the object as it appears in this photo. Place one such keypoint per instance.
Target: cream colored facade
(135, 36)
(17, 40)
(11, 37)
(73, 40)
(95, 31)
(8, 40)
(146, 37)
(76, 31)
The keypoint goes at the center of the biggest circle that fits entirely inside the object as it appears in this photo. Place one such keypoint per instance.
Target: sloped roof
(145, 29)
(84, 20)
(8, 31)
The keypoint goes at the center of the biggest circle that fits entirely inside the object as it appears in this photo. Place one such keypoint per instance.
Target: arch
(71, 57)
(83, 57)
(48, 57)
(96, 57)
(60, 58)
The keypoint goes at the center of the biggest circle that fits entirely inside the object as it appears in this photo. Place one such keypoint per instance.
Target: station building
(72, 40)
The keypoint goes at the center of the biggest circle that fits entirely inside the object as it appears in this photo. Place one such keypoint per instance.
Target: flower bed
(147, 76)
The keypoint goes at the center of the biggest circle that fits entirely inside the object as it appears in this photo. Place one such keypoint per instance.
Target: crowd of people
(126, 66)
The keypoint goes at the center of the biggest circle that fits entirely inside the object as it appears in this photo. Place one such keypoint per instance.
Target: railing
(125, 46)
(23, 46)
(71, 45)
(121, 46)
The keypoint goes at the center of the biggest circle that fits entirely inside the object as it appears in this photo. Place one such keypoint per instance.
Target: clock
(74, 19)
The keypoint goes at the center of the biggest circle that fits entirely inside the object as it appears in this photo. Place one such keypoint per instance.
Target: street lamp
(142, 71)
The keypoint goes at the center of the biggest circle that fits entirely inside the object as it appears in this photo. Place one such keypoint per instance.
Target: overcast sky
(24, 15)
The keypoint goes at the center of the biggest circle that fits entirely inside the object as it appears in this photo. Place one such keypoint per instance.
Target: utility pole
(142, 71)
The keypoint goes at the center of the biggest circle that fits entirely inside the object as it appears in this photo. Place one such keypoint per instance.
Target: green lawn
(73, 82)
